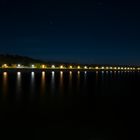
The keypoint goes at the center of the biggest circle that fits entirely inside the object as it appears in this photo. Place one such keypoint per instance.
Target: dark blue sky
(85, 31)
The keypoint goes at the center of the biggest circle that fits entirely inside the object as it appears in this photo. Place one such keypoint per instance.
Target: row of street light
(43, 66)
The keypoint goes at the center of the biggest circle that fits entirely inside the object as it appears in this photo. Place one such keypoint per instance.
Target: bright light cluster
(43, 66)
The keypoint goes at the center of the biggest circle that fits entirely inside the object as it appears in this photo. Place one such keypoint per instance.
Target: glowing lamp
(70, 67)
(43, 66)
(85, 67)
(53, 66)
(18, 65)
(78, 67)
(61, 67)
(5, 66)
(33, 66)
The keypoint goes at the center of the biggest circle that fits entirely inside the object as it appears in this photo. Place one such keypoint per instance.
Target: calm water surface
(71, 105)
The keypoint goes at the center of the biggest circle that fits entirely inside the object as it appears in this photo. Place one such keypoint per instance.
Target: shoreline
(57, 70)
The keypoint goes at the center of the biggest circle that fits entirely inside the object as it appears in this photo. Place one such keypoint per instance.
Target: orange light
(4, 66)
(43, 66)
(61, 67)
(78, 67)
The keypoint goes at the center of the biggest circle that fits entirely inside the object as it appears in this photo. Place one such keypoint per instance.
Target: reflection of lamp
(5, 73)
(18, 73)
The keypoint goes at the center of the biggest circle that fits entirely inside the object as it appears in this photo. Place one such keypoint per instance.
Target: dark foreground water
(71, 105)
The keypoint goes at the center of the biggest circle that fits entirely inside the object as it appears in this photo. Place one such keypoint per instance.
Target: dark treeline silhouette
(24, 60)
(16, 59)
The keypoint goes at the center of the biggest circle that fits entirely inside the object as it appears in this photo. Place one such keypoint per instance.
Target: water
(70, 105)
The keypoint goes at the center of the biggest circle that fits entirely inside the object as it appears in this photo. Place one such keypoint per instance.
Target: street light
(5, 66)
(61, 67)
(85, 67)
(53, 66)
(43, 66)
(33, 66)
(18, 66)
(78, 67)
(96, 68)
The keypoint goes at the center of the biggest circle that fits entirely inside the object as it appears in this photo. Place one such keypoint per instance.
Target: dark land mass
(17, 59)
(25, 60)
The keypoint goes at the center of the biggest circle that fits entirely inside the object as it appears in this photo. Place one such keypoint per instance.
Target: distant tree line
(16, 59)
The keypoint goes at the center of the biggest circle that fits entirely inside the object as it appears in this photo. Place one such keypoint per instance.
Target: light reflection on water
(18, 86)
(85, 80)
(18, 82)
(53, 82)
(85, 77)
(43, 83)
(70, 82)
(61, 83)
(5, 83)
(96, 77)
(91, 111)
(102, 75)
(78, 81)
(32, 86)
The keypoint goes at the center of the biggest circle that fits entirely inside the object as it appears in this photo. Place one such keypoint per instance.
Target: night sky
(85, 31)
